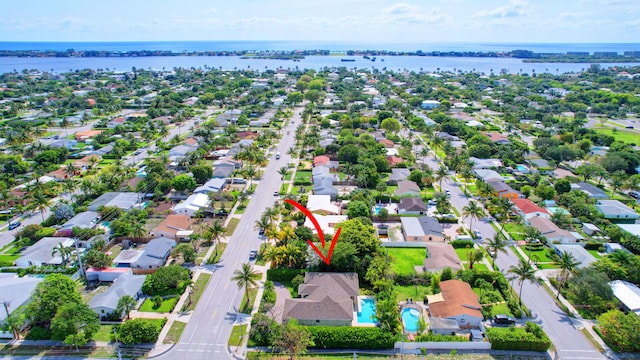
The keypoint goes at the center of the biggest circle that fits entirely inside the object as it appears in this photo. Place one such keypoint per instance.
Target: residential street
(207, 333)
(568, 341)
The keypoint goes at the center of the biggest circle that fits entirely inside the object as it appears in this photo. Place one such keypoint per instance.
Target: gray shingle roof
(125, 284)
(326, 296)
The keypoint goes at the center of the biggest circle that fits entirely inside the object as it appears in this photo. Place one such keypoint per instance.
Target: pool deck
(358, 309)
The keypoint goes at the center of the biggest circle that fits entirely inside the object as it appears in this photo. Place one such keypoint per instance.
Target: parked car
(14, 225)
(502, 319)
(253, 253)
(477, 233)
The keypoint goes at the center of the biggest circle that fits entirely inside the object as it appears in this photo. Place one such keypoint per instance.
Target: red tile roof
(527, 206)
(394, 160)
(321, 160)
(458, 299)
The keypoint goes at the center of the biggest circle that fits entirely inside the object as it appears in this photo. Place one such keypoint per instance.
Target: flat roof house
(213, 185)
(407, 188)
(321, 204)
(122, 200)
(326, 222)
(459, 303)
(192, 204)
(424, 228)
(326, 299)
(628, 294)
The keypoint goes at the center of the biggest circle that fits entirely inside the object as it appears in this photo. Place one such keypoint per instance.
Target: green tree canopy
(74, 319)
(183, 182)
(49, 296)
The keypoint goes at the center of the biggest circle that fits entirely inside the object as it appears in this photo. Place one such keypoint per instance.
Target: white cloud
(514, 8)
(400, 9)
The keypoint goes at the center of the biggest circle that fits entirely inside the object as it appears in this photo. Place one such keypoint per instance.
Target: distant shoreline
(526, 56)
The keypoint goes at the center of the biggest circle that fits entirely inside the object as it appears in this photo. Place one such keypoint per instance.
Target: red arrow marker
(314, 221)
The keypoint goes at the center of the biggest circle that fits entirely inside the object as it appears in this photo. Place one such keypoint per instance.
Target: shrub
(592, 245)
(528, 338)
(138, 331)
(441, 338)
(38, 333)
(347, 337)
(45, 232)
(461, 244)
(283, 274)
(168, 280)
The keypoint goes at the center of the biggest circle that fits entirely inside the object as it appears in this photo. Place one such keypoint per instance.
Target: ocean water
(396, 63)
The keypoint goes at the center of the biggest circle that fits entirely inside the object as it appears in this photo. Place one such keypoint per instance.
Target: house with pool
(331, 299)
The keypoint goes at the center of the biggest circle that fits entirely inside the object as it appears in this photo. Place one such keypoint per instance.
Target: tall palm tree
(523, 272)
(64, 252)
(126, 304)
(568, 265)
(495, 244)
(246, 278)
(441, 174)
(283, 172)
(214, 232)
(40, 202)
(472, 210)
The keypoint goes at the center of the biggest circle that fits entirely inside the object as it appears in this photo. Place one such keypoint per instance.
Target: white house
(107, 302)
(528, 209)
(16, 291)
(41, 252)
(326, 222)
(321, 204)
(628, 294)
(192, 204)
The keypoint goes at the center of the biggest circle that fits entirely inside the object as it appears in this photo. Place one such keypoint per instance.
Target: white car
(477, 233)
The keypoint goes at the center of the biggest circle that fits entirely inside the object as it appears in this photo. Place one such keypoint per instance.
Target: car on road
(278, 155)
(275, 193)
(502, 319)
(477, 233)
(14, 225)
(630, 127)
(222, 213)
(253, 253)
(448, 192)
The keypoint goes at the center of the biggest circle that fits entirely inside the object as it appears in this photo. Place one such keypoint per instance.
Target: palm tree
(246, 278)
(40, 202)
(523, 271)
(568, 265)
(64, 252)
(472, 210)
(474, 256)
(495, 244)
(126, 304)
(137, 230)
(441, 174)
(283, 172)
(214, 232)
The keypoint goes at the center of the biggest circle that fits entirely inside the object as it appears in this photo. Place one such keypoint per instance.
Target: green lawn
(218, 254)
(105, 333)
(233, 223)
(462, 254)
(174, 332)
(8, 258)
(166, 306)
(415, 292)
(539, 256)
(404, 259)
(480, 267)
(595, 253)
(245, 306)
(501, 308)
(621, 135)
(296, 189)
(303, 175)
(238, 331)
(198, 289)
(515, 230)
(288, 176)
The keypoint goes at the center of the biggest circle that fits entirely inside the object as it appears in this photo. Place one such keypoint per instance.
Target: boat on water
(373, 58)
(366, 57)
(349, 60)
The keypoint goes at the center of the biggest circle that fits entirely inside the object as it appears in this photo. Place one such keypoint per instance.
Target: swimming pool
(367, 314)
(522, 168)
(410, 318)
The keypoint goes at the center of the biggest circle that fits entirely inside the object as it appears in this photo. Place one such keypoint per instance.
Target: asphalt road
(208, 330)
(569, 342)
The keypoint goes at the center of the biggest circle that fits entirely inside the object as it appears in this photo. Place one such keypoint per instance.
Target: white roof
(16, 290)
(633, 229)
(193, 202)
(627, 293)
(326, 222)
(322, 202)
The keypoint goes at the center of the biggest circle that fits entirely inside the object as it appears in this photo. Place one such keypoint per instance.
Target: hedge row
(347, 337)
(593, 245)
(461, 244)
(283, 274)
(441, 338)
(529, 338)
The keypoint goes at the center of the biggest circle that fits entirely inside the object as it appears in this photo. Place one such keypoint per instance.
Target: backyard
(166, 306)
(403, 260)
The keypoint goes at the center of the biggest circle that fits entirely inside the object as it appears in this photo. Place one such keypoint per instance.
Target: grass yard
(174, 332)
(303, 175)
(237, 333)
(415, 292)
(539, 256)
(595, 253)
(166, 306)
(296, 190)
(198, 289)
(245, 306)
(217, 255)
(8, 258)
(480, 267)
(404, 259)
(501, 308)
(462, 254)
(621, 135)
(104, 333)
(233, 223)
(516, 231)
(287, 177)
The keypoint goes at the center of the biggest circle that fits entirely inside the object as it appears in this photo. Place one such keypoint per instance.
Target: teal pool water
(410, 318)
(522, 168)
(556, 209)
(367, 314)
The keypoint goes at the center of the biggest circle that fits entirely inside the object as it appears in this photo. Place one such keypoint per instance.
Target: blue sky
(410, 21)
